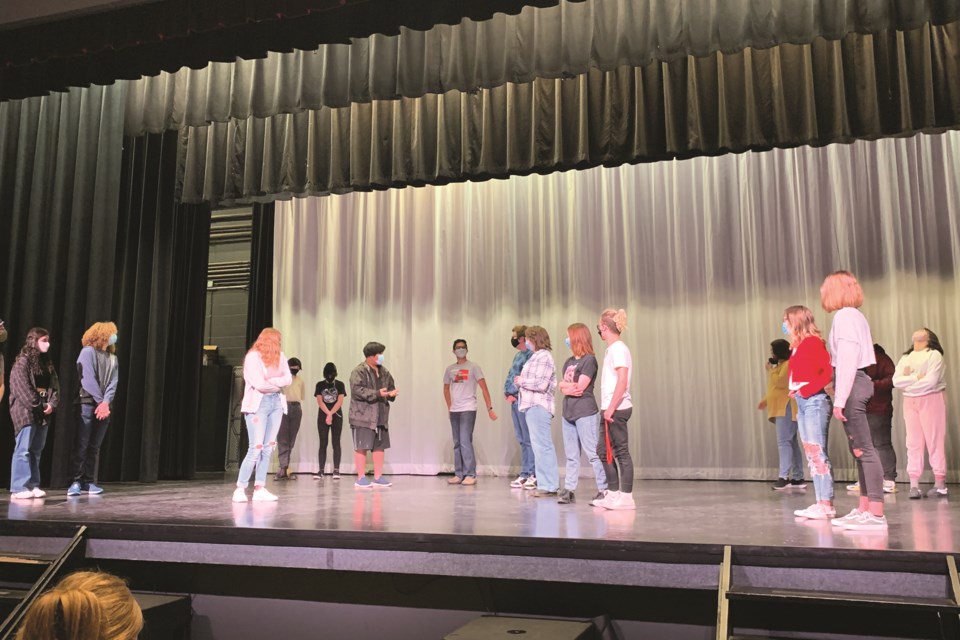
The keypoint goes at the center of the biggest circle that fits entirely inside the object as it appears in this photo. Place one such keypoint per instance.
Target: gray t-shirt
(585, 405)
(463, 379)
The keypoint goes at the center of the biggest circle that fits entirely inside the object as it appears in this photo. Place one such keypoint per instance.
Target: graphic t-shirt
(463, 379)
(329, 392)
(576, 407)
(617, 356)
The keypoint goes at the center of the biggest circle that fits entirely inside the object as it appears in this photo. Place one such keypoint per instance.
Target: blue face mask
(380, 359)
(529, 346)
(786, 328)
(566, 341)
(113, 339)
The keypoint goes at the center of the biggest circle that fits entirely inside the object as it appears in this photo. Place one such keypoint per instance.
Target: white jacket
(929, 362)
(258, 380)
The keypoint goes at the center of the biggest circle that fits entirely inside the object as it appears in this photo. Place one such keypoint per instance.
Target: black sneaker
(600, 496)
(565, 497)
(798, 484)
(780, 484)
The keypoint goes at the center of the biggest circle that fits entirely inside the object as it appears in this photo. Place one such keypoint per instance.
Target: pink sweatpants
(925, 418)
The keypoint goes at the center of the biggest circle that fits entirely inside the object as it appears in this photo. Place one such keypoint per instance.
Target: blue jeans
(523, 437)
(791, 457)
(464, 459)
(25, 466)
(548, 474)
(813, 422)
(582, 434)
(262, 428)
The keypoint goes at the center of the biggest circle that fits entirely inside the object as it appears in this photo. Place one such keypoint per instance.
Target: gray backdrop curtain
(861, 86)
(704, 254)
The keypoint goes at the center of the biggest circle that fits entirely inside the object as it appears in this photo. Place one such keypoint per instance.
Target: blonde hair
(539, 337)
(581, 342)
(801, 323)
(98, 336)
(267, 345)
(86, 605)
(840, 289)
(614, 319)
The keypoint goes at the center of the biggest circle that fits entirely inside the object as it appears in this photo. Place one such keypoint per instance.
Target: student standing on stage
(782, 411)
(34, 393)
(3, 338)
(809, 374)
(616, 407)
(290, 422)
(920, 374)
(330, 393)
(372, 388)
(460, 382)
(581, 416)
(527, 478)
(537, 383)
(99, 373)
(851, 351)
(880, 418)
(265, 373)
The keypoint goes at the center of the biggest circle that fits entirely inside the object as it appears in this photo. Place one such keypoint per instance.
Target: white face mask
(43, 345)
(460, 353)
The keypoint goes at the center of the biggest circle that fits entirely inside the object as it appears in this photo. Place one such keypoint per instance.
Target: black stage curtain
(59, 161)
(260, 300)
(162, 254)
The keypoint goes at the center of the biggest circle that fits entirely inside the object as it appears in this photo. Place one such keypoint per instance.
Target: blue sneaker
(74, 490)
(363, 483)
(382, 482)
(94, 490)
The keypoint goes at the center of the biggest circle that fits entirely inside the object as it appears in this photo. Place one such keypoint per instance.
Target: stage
(422, 527)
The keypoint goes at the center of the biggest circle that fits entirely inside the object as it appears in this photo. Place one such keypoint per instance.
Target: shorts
(369, 440)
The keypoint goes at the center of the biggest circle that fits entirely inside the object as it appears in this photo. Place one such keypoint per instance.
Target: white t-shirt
(616, 356)
(463, 379)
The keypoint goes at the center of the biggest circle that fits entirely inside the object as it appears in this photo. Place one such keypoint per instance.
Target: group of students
(851, 378)
(35, 395)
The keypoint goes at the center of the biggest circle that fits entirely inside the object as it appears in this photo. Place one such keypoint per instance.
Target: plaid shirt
(538, 381)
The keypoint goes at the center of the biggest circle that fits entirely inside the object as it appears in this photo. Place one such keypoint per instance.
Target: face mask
(294, 370)
(599, 332)
(515, 342)
(566, 341)
(529, 346)
(460, 353)
(380, 359)
(786, 328)
(43, 346)
(329, 378)
(113, 339)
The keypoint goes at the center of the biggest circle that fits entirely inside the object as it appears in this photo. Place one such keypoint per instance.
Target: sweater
(881, 403)
(99, 375)
(258, 381)
(929, 362)
(810, 369)
(851, 348)
(778, 392)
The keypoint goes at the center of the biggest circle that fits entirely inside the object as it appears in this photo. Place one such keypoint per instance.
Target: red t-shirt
(810, 363)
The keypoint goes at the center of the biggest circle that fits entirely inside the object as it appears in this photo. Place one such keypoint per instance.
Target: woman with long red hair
(265, 372)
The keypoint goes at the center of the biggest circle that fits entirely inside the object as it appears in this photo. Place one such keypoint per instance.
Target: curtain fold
(59, 158)
(704, 254)
(560, 41)
(260, 298)
(862, 86)
(162, 254)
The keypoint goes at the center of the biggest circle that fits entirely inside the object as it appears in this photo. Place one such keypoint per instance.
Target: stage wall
(704, 255)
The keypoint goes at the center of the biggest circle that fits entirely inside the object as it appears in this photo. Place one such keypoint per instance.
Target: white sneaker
(262, 495)
(609, 500)
(598, 501)
(26, 494)
(240, 495)
(518, 483)
(531, 483)
(889, 486)
(867, 522)
(624, 502)
(816, 512)
(39, 493)
(850, 517)
(853, 487)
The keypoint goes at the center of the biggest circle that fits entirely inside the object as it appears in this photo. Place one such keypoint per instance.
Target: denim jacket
(519, 359)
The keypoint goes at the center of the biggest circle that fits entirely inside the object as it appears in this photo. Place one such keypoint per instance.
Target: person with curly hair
(99, 375)
(34, 394)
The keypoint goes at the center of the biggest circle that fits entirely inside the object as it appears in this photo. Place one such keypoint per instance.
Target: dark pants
(881, 432)
(86, 445)
(325, 429)
(859, 439)
(622, 481)
(287, 436)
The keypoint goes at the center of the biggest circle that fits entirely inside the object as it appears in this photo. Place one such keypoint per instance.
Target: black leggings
(324, 429)
(622, 462)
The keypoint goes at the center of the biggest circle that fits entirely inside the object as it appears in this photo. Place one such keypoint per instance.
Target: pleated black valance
(863, 86)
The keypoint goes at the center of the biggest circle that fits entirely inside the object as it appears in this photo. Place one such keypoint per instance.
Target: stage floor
(674, 512)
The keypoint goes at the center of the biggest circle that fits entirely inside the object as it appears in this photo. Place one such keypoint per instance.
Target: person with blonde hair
(537, 383)
(809, 373)
(581, 416)
(851, 352)
(613, 445)
(921, 376)
(265, 373)
(34, 395)
(99, 375)
(87, 605)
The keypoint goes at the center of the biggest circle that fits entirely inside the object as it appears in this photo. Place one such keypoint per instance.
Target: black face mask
(515, 342)
(329, 378)
(294, 370)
